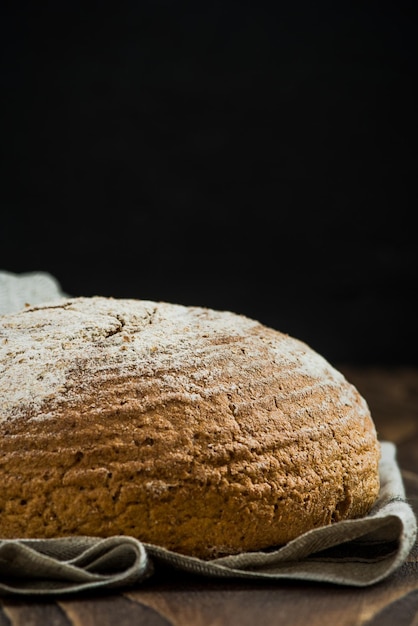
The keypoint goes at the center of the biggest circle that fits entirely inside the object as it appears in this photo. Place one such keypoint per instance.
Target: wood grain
(392, 395)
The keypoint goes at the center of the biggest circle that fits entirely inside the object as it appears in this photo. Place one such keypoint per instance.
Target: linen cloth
(356, 552)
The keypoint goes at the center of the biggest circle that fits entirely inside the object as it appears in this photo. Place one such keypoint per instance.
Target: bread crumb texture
(201, 431)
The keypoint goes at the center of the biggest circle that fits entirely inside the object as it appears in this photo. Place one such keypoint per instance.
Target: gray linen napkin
(18, 290)
(357, 552)
(354, 552)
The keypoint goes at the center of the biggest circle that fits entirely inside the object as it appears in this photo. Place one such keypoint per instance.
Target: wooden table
(392, 395)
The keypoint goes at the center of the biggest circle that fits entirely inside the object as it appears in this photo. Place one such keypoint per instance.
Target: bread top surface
(54, 356)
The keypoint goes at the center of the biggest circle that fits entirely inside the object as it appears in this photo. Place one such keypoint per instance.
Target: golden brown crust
(202, 431)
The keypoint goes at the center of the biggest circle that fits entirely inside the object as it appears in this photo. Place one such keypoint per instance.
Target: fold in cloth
(357, 552)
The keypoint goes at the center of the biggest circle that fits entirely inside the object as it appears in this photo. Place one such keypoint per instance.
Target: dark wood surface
(392, 395)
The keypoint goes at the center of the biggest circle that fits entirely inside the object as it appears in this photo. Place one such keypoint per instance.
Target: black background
(251, 156)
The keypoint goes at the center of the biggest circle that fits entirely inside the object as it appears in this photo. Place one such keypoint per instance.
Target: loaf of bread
(201, 431)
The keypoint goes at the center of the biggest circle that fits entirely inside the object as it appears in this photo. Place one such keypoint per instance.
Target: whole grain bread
(201, 431)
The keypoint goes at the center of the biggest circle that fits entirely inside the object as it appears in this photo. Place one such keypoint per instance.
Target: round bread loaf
(198, 430)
